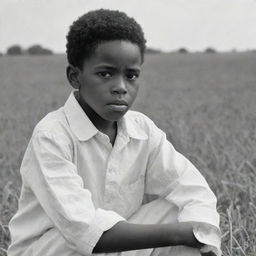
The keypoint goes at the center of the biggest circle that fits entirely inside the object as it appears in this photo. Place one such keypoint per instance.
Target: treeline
(184, 50)
(39, 50)
(208, 50)
(32, 50)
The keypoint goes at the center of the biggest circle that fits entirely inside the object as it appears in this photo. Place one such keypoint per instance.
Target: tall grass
(205, 104)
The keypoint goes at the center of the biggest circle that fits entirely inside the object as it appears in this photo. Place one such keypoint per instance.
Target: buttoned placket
(113, 173)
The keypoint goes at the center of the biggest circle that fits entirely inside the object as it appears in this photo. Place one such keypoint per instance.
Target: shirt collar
(132, 128)
(84, 129)
(79, 122)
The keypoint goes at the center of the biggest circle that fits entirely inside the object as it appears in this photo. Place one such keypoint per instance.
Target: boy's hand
(207, 251)
(186, 234)
(208, 254)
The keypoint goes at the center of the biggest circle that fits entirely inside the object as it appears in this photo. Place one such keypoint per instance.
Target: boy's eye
(132, 76)
(104, 74)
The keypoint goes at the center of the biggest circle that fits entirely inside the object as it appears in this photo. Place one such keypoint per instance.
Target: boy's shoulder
(53, 123)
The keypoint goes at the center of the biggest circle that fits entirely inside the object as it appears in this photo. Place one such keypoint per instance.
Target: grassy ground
(205, 104)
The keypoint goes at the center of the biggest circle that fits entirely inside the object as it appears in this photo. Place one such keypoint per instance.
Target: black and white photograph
(127, 128)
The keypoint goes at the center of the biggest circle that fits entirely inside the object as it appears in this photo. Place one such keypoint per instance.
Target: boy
(89, 164)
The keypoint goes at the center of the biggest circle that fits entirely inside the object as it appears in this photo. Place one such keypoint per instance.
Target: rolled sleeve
(102, 221)
(208, 235)
(172, 176)
(52, 176)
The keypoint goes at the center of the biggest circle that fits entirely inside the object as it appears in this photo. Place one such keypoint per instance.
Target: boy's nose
(120, 86)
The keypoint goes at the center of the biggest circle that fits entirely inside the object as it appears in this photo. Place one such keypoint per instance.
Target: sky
(168, 24)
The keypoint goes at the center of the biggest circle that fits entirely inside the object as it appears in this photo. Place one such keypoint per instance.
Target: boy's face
(108, 80)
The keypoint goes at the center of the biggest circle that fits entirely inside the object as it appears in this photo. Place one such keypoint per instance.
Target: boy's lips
(118, 105)
(118, 102)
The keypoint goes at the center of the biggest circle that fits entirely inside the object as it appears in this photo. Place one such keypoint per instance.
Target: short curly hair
(100, 26)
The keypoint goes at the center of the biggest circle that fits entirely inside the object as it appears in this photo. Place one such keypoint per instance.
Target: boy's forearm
(125, 236)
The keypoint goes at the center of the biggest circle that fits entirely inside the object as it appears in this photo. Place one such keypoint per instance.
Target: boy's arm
(126, 236)
(48, 171)
(170, 175)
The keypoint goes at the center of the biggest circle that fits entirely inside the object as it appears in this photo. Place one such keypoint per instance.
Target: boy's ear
(73, 73)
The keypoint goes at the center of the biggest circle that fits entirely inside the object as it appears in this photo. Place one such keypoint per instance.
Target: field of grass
(206, 103)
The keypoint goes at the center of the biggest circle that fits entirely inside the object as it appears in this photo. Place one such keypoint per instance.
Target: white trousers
(158, 211)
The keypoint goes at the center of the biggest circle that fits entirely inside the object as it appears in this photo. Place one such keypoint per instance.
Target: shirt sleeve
(172, 176)
(52, 176)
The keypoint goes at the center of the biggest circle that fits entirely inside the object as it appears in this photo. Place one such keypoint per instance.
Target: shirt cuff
(208, 235)
(103, 221)
(208, 215)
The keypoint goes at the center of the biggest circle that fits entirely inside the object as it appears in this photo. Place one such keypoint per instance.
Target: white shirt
(73, 179)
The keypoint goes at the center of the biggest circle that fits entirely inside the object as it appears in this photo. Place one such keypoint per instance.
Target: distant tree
(152, 50)
(210, 50)
(38, 50)
(182, 50)
(14, 50)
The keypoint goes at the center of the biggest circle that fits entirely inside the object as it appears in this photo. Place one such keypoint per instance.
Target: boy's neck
(107, 127)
